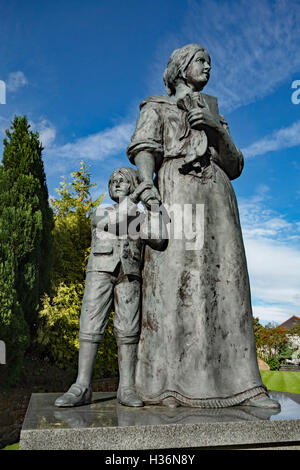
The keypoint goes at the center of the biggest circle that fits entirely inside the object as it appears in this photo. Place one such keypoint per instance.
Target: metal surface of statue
(197, 344)
(113, 281)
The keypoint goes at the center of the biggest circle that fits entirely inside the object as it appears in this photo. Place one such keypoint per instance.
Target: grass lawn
(281, 381)
(12, 447)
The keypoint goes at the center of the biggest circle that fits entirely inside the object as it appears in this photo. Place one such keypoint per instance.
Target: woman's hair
(177, 65)
(130, 174)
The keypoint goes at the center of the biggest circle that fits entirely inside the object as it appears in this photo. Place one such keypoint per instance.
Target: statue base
(107, 425)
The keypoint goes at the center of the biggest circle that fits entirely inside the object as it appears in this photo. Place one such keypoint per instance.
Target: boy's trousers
(105, 292)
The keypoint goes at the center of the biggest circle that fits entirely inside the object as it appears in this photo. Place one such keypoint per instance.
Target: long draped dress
(197, 341)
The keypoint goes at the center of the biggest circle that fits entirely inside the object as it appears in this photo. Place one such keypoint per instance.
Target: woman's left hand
(200, 117)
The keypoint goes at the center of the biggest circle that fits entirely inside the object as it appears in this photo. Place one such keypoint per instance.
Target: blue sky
(79, 70)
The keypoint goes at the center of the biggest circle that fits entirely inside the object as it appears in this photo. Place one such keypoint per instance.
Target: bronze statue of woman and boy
(183, 317)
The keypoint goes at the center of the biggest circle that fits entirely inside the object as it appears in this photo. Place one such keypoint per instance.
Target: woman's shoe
(262, 401)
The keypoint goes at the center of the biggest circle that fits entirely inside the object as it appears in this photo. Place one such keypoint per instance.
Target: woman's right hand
(199, 117)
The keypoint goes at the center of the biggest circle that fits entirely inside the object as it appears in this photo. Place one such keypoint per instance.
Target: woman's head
(122, 182)
(180, 63)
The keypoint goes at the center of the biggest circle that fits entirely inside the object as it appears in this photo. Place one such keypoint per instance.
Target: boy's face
(119, 187)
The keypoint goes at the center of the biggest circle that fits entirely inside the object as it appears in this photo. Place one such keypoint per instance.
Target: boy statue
(113, 281)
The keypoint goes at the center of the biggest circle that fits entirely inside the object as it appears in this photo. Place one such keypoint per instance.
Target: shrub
(273, 362)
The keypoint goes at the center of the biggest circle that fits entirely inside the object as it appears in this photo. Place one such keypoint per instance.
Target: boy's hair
(130, 174)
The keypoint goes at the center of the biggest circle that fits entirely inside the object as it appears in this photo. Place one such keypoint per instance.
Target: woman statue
(197, 344)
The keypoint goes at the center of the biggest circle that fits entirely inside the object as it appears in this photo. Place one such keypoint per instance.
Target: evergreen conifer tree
(26, 221)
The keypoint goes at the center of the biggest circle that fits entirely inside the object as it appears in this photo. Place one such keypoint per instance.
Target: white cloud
(15, 81)
(271, 313)
(258, 221)
(46, 130)
(97, 146)
(272, 246)
(275, 269)
(279, 139)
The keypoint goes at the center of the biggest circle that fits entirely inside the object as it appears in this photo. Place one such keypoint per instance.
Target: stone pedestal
(107, 425)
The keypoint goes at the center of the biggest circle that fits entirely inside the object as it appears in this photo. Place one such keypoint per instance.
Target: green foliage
(286, 353)
(273, 362)
(60, 316)
(14, 330)
(258, 329)
(271, 343)
(295, 330)
(60, 313)
(26, 220)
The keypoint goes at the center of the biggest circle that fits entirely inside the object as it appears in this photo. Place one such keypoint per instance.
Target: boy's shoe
(128, 397)
(75, 396)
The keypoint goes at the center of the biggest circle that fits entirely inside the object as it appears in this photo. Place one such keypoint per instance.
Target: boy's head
(122, 182)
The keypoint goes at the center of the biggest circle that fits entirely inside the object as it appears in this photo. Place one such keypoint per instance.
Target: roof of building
(292, 321)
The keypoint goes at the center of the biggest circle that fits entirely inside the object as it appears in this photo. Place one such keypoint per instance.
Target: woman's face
(197, 73)
(119, 187)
